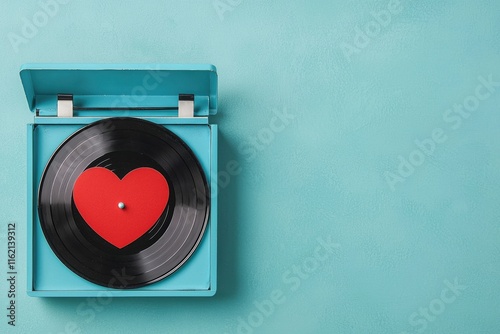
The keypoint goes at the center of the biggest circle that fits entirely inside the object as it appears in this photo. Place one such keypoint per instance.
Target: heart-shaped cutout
(120, 211)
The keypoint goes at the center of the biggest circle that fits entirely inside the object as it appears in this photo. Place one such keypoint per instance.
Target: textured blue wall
(367, 136)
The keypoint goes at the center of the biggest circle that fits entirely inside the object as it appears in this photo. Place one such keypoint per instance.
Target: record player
(122, 186)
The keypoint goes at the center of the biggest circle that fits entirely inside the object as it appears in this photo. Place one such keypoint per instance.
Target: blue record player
(122, 180)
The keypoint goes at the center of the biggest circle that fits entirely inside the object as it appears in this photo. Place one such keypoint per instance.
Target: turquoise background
(321, 174)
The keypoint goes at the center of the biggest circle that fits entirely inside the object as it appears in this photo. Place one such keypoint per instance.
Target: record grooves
(122, 145)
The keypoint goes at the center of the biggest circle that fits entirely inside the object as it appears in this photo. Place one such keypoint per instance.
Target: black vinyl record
(122, 145)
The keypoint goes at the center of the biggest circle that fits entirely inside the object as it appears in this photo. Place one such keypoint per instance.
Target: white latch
(186, 105)
(64, 105)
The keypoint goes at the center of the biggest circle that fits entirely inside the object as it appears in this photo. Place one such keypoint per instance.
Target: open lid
(118, 87)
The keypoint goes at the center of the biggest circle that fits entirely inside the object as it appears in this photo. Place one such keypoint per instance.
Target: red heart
(99, 194)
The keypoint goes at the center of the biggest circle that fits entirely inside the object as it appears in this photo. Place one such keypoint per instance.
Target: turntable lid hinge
(64, 105)
(186, 105)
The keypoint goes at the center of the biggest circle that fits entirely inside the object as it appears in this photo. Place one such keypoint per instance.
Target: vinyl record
(132, 242)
